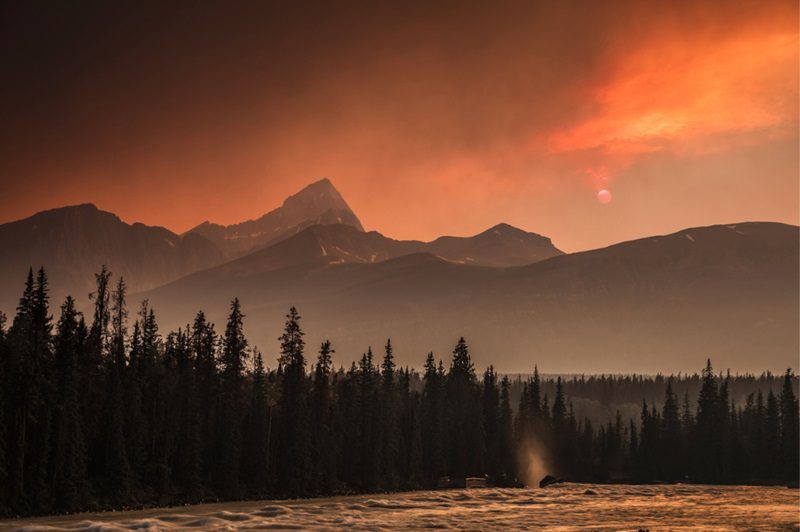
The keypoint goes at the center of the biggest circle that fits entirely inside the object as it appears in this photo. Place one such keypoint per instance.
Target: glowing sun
(604, 196)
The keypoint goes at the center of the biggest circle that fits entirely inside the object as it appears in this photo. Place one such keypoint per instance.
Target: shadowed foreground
(565, 507)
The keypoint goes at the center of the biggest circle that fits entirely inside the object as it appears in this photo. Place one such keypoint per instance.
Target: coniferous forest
(107, 411)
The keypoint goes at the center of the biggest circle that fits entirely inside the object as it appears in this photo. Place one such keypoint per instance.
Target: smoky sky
(430, 117)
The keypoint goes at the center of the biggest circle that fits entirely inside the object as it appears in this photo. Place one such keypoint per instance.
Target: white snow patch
(689, 237)
(170, 242)
(324, 251)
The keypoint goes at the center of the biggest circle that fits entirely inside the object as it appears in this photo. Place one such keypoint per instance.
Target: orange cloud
(688, 98)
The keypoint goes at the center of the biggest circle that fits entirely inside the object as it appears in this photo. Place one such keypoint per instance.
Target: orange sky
(430, 118)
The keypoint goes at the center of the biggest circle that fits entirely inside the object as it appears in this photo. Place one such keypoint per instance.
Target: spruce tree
(491, 424)
(707, 447)
(323, 443)
(433, 427)
(92, 374)
(30, 398)
(389, 419)
(204, 343)
(233, 357)
(116, 465)
(68, 475)
(256, 442)
(369, 455)
(507, 460)
(188, 456)
(671, 432)
(772, 438)
(4, 418)
(464, 416)
(294, 464)
(790, 435)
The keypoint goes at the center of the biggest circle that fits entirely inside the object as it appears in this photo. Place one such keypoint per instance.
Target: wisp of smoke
(533, 462)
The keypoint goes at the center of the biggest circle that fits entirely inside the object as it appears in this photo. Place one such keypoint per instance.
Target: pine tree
(294, 465)
(256, 442)
(68, 476)
(368, 383)
(20, 375)
(92, 374)
(772, 438)
(30, 398)
(491, 424)
(234, 355)
(41, 359)
(505, 432)
(323, 446)
(671, 436)
(4, 418)
(464, 415)
(708, 438)
(188, 457)
(389, 419)
(204, 348)
(116, 465)
(790, 435)
(410, 445)
(433, 428)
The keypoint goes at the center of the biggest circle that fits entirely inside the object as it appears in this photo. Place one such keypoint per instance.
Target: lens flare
(604, 196)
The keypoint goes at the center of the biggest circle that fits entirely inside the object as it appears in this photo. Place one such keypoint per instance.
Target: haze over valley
(657, 304)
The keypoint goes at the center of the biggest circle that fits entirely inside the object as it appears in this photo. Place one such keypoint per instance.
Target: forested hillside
(106, 411)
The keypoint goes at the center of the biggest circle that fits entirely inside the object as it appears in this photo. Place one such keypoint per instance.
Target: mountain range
(729, 292)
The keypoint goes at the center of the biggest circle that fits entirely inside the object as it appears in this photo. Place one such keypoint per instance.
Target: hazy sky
(431, 117)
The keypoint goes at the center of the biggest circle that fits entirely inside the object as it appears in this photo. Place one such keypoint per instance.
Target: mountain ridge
(73, 242)
(727, 293)
(315, 204)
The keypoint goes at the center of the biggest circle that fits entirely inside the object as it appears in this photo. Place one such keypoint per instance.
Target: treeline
(109, 413)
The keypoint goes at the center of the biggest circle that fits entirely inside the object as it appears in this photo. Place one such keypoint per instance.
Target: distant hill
(318, 203)
(654, 304)
(501, 246)
(72, 243)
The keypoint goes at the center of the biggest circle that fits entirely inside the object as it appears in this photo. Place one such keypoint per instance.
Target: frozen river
(565, 507)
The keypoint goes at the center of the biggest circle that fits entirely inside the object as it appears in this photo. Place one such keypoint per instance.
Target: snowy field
(566, 507)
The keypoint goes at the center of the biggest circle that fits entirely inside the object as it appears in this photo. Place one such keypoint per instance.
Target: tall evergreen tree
(93, 375)
(389, 419)
(323, 443)
(464, 415)
(256, 443)
(68, 475)
(187, 462)
(204, 343)
(707, 447)
(671, 441)
(116, 463)
(294, 466)
(4, 418)
(491, 424)
(369, 427)
(507, 473)
(790, 435)
(433, 426)
(30, 398)
(233, 358)
(772, 437)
